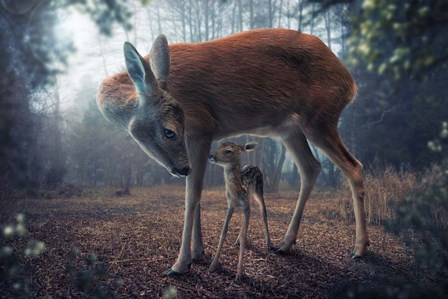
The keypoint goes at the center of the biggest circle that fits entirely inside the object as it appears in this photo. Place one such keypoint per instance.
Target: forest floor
(138, 237)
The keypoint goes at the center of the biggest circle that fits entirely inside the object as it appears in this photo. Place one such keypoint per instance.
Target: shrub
(15, 258)
(387, 187)
(91, 278)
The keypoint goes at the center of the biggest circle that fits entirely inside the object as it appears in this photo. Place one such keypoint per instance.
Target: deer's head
(229, 153)
(158, 123)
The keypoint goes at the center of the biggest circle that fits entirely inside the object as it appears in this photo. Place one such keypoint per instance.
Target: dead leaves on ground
(138, 237)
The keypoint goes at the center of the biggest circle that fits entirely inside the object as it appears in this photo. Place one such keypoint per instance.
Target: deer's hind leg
(309, 169)
(258, 194)
(331, 143)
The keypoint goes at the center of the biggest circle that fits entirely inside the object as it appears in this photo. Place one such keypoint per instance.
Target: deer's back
(254, 81)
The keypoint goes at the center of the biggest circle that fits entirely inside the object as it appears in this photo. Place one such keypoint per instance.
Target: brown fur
(267, 74)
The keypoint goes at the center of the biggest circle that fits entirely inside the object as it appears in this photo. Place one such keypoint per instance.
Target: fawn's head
(229, 153)
(158, 124)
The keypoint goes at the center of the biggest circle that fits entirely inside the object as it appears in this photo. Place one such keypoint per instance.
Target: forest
(69, 179)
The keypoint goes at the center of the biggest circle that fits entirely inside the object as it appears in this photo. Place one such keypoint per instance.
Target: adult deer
(267, 82)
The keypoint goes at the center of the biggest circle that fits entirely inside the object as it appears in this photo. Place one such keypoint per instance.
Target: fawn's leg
(260, 199)
(243, 239)
(238, 239)
(222, 238)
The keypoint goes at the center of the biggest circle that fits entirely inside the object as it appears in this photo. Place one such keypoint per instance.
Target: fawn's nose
(211, 158)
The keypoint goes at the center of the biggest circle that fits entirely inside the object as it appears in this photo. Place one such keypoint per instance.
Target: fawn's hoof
(355, 256)
(238, 278)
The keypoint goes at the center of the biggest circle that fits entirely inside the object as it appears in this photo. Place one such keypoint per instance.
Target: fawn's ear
(139, 71)
(250, 146)
(159, 58)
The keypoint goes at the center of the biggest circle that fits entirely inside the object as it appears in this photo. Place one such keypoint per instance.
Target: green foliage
(14, 259)
(170, 293)
(400, 37)
(441, 143)
(91, 278)
(397, 52)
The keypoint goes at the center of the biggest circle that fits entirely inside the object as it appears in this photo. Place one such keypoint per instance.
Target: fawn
(239, 184)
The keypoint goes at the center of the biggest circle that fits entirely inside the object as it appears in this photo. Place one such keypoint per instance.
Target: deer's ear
(139, 71)
(250, 146)
(159, 58)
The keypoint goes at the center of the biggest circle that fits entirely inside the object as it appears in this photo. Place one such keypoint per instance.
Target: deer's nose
(185, 171)
(182, 172)
(211, 158)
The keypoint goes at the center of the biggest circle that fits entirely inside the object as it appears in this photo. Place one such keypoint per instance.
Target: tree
(34, 56)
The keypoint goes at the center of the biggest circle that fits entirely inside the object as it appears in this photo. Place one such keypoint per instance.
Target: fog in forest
(58, 54)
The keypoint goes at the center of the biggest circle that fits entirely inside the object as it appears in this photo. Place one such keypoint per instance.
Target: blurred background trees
(51, 132)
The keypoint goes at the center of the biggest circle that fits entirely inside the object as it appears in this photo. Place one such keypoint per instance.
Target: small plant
(14, 258)
(170, 293)
(91, 278)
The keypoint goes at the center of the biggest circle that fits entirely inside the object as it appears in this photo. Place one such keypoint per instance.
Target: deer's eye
(169, 134)
(227, 153)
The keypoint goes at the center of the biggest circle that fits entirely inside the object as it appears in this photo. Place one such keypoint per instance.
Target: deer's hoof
(198, 256)
(171, 273)
(278, 251)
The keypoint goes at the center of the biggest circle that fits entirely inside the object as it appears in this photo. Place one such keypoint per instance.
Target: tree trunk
(206, 19)
(190, 21)
(313, 10)
(328, 27)
(251, 14)
(280, 14)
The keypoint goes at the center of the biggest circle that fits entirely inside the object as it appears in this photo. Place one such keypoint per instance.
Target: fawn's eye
(169, 134)
(227, 153)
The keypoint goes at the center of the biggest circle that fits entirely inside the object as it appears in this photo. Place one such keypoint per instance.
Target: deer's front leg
(197, 246)
(198, 153)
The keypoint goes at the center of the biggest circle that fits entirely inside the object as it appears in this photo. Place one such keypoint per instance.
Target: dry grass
(386, 186)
